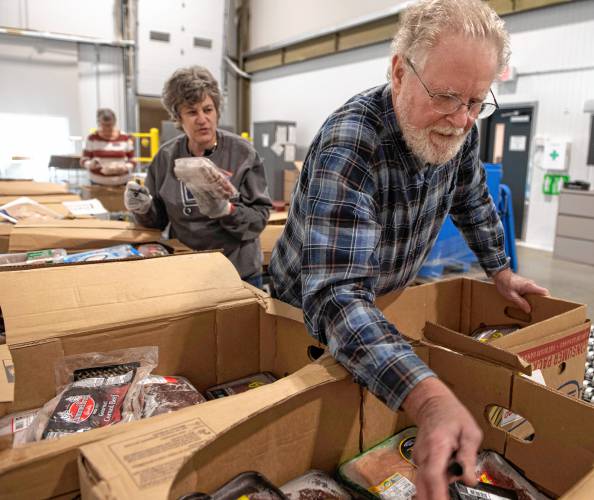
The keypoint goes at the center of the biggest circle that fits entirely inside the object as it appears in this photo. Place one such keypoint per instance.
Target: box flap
(57, 301)
(6, 375)
(582, 490)
(78, 234)
(23, 188)
(467, 345)
(122, 459)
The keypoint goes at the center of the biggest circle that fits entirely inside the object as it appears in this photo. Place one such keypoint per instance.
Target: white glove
(201, 174)
(137, 198)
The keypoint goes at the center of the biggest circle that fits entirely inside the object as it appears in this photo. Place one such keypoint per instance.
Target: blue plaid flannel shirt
(364, 215)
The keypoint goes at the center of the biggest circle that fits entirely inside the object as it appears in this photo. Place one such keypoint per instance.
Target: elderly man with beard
(378, 181)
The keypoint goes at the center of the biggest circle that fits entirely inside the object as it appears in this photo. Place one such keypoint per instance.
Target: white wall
(50, 90)
(90, 18)
(273, 21)
(553, 52)
(554, 40)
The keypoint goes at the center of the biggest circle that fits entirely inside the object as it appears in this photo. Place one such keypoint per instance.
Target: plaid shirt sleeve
(475, 214)
(339, 269)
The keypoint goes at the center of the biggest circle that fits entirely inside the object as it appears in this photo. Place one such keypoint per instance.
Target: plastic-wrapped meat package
(109, 253)
(493, 332)
(314, 485)
(14, 425)
(494, 469)
(247, 485)
(96, 390)
(481, 491)
(385, 471)
(166, 394)
(152, 250)
(35, 257)
(239, 386)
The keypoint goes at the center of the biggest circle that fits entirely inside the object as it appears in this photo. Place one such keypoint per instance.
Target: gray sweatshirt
(237, 233)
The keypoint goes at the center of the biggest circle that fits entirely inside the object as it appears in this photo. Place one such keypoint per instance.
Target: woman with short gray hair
(207, 183)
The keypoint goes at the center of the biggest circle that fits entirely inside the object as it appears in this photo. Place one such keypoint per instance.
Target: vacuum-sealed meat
(241, 385)
(96, 390)
(314, 485)
(152, 250)
(245, 486)
(34, 257)
(385, 471)
(494, 469)
(482, 491)
(166, 394)
(488, 333)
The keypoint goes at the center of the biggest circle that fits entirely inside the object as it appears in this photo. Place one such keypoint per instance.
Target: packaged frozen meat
(27, 209)
(152, 250)
(245, 486)
(96, 390)
(109, 253)
(494, 469)
(49, 256)
(486, 333)
(385, 471)
(482, 491)
(241, 385)
(166, 394)
(14, 425)
(314, 485)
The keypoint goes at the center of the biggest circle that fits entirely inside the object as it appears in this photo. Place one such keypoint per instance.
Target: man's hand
(92, 164)
(446, 431)
(513, 287)
(137, 198)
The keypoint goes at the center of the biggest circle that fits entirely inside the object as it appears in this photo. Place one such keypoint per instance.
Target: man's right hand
(446, 431)
(137, 198)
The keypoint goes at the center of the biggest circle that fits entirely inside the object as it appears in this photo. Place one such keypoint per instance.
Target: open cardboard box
(112, 197)
(268, 238)
(319, 418)
(5, 230)
(553, 337)
(78, 234)
(209, 326)
(28, 188)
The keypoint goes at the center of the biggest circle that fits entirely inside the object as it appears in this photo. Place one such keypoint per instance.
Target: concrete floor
(564, 279)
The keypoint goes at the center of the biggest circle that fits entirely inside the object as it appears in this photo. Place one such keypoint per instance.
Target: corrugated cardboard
(268, 239)
(52, 199)
(553, 338)
(291, 428)
(277, 218)
(209, 326)
(112, 197)
(28, 188)
(5, 230)
(78, 234)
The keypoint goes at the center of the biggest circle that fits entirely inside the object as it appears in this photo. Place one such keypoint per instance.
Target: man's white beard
(419, 141)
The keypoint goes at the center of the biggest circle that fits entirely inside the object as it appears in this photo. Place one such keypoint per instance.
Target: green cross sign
(554, 155)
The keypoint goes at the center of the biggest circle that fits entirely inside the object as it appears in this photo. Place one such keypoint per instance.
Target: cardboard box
(268, 239)
(5, 230)
(112, 197)
(553, 338)
(277, 218)
(51, 199)
(209, 326)
(78, 234)
(318, 418)
(27, 188)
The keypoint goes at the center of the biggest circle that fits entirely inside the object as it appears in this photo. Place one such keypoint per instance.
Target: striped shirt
(364, 215)
(110, 152)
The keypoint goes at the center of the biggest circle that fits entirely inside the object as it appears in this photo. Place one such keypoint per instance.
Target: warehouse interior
(276, 322)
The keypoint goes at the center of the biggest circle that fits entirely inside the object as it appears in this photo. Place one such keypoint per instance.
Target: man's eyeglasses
(447, 104)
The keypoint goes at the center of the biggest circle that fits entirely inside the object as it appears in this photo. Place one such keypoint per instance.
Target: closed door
(507, 133)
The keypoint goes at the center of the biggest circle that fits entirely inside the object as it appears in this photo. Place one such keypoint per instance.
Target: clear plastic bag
(95, 390)
(166, 394)
(494, 469)
(13, 426)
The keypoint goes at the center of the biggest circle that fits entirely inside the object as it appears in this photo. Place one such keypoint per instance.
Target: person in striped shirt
(108, 152)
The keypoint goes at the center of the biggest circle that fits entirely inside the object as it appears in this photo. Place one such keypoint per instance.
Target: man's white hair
(424, 22)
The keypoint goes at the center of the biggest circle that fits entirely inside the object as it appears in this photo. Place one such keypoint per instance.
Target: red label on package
(81, 409)
(554, 353)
